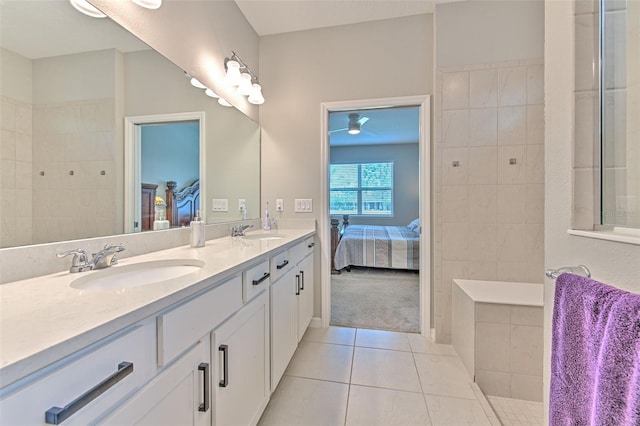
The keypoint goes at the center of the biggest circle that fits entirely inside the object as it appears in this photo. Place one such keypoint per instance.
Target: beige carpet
(382, 299)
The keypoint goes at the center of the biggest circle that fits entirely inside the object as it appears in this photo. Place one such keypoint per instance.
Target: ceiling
(281, 16)
(384, 126)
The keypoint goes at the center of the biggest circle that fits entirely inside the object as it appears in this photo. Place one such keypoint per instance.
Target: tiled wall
(15, 180)
(73, 170)
(500, 345)
(488, 178)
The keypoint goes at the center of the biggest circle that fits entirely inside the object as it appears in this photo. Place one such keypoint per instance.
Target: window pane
(377, 202)
(377, 175)
(343, 176)
(343, 202)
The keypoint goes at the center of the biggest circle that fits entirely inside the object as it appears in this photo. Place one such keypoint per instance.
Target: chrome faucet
(103, 259)
(107, 256)
(238, 230)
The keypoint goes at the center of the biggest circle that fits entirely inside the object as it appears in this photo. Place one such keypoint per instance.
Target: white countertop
(508, 293)
(44, 319)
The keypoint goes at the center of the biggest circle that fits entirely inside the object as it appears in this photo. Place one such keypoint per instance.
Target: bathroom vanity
(206, 347)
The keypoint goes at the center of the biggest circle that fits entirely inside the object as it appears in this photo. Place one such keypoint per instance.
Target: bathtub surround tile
(512, 271)
(535, 124)
(493, 312)
(455, 244)
(483, 163)
(526, 387)
(535, 243)
(462, 328)
(535, 203)
(455, 90)
(492, 346)
(512, 204)
(483, 201)
(455, 411)
(483, 244)
(494, 383)
(374, 406)
(453, 174)
(483, 126)
(455, 128)
(486, 271)
(386, 369)
(512, 125)
(483, 88)
(512, 86)
(512, 168)
(526, 350)
(512, 243)
(535, 164)
(455, 202)
(535, 84)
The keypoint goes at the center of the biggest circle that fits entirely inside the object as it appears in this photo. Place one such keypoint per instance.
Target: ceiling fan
(355, 122)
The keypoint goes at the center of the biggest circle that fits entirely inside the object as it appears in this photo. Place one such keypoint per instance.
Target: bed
(182, 205)
(394, 247)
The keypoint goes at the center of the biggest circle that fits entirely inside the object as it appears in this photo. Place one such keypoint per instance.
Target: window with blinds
(364, 189)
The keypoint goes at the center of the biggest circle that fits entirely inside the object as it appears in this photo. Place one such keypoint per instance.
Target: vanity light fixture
(196, 83)
(256, 97)
(87, 8)
(239, 74)
(211, 93)
(232, 78)
(245, 87)
(224, 102)
(149, 4)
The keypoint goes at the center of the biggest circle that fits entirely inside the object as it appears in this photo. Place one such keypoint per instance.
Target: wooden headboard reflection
(183, 204)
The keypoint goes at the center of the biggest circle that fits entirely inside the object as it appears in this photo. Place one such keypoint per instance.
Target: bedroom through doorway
(374, 210)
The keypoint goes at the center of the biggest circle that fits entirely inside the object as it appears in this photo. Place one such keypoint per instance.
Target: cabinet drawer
(300, 250)
(280, 263)
(255, 279)
(81, 376)
(181, 327)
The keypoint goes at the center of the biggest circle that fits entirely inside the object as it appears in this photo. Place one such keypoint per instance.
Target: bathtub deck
(507, 293)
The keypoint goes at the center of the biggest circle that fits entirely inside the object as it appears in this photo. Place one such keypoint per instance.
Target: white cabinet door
(180, 395)
(284, 327)
(305, 296)
(240, 352)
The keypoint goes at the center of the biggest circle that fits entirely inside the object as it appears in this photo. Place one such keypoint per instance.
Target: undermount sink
(264, 236)
(137, 274)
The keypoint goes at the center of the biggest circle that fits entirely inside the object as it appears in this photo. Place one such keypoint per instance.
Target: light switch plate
(220, 205)
(303, 205)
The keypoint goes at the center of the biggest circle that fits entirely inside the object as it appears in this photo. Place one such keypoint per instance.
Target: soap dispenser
(197, 231)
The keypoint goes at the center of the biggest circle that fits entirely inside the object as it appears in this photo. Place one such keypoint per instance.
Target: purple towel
(595, 354)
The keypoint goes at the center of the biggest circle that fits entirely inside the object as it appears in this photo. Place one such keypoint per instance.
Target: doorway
(161, 124)
(362, 108)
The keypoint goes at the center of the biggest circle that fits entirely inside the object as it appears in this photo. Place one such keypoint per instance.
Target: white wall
(480, 32)
(406, 178)
(300, 70)
(610, 262)
(15, 76)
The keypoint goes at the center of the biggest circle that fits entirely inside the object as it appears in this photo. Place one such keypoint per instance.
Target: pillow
(414, 225)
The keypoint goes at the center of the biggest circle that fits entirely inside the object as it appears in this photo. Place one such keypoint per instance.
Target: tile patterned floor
(516, 412)
(346, 376)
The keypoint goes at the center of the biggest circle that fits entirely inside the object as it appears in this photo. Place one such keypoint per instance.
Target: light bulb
(87, 8)
(233, 73)
(211, 93)
(196, 83)
(256, 97)
(149, 4)
(245, 88)
(224, 102)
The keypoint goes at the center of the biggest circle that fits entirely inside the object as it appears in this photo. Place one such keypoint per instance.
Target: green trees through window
(361, 189)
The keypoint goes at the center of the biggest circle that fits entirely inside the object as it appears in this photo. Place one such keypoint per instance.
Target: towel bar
(580, 269)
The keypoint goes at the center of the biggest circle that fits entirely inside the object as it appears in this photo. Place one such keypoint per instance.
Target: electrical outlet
(220, 205)
(279, 205)
(303, 205)
(242, 204)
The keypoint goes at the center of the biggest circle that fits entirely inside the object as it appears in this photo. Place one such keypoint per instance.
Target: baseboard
(316, 322)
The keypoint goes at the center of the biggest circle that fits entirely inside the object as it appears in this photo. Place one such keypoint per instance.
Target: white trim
(132, 210)
(424, 102)
(618, 237)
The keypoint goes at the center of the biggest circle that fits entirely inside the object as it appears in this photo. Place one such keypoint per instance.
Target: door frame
(133, 161)
(424, 102)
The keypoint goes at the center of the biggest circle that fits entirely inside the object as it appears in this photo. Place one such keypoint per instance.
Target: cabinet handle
(204, 367)
(57, 415)
(297, 285)
(302, 279)
(282, 265)
(311, 245)
(259, 281)
(225, 366)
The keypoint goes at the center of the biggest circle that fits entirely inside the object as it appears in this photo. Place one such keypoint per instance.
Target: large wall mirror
(68, 82)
